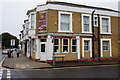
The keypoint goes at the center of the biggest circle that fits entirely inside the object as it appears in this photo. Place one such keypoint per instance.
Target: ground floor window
(65, 46)
(87, 45)
(105, 45)
(56, 45)
(74, 45)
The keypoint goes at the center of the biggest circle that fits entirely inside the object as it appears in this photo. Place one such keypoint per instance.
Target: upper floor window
(86, 23)
(105, 25)
(65, 22)
(32, 21)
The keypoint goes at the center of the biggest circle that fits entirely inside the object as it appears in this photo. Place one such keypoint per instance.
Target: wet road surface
(80, 72)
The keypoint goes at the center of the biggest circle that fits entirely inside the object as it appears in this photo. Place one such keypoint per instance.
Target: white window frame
(58, 45)
(59, 21)
(34, 20)
(73, 45)
(63, 45)
(90, 46)
(90, 28)
(109, 25)
(110, 47)
(95, 20)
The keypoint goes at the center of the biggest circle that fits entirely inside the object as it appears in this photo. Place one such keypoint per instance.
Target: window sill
(73, 52)
(106, 33)
(87, 32)
(66, 31)
(65, 52)
(86, 51)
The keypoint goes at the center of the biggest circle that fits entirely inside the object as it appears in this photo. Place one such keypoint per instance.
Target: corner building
(65, 29)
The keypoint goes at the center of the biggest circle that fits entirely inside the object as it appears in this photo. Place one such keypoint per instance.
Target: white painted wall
(31, 32)
(49, 48)
(38, 49)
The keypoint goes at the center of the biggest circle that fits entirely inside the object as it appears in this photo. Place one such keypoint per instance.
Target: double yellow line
(2, 63)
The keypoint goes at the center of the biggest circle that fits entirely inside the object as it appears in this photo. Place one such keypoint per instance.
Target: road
(110, 71)
(2, 56)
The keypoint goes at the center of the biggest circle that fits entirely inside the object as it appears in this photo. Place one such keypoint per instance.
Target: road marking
(2, 63)
(8, 73)
(1, 72)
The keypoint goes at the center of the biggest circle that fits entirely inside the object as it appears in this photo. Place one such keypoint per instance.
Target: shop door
(43, 51)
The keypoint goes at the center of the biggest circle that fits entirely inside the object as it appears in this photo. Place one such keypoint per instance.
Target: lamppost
(30, 46)
(53, 49)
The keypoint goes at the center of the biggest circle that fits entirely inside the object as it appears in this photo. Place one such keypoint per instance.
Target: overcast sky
(13, 12)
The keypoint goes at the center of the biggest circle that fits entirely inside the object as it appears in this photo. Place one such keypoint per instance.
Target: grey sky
(13, 12)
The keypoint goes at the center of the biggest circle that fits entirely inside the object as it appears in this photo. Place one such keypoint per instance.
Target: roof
(79, 5)
(73, 5)
(32, 10)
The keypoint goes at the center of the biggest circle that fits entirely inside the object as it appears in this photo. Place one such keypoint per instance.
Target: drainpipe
(98, 37)
(93, 34)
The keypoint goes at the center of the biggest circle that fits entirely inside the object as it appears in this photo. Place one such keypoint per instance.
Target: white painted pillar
(37, 49)
(49, 47)
(78, 46)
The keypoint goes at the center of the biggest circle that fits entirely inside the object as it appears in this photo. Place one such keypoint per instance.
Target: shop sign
(43, 21)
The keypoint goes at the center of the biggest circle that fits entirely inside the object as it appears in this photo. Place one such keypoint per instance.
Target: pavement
(23, 62)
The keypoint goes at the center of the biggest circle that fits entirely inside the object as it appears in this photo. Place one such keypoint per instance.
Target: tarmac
(23, 62)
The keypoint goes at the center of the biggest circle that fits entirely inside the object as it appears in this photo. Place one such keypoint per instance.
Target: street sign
(12, 42)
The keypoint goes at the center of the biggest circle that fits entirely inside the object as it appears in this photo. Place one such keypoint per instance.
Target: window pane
(65, 48)
(65, 22)
(86, 45)
(86, 48)
(86, 19)
(74, 42)
(65, 41)
(74, 48)
(86, 42)
(105, 45)
(105, 21)
(42, 47)
(56, 42)
(56, 49)
(104, 24)
(86, 27)
(64, 26)
(32, 24)
(65, 18)
(32, 17)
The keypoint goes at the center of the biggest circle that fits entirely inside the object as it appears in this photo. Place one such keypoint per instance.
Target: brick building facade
(65, 30)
